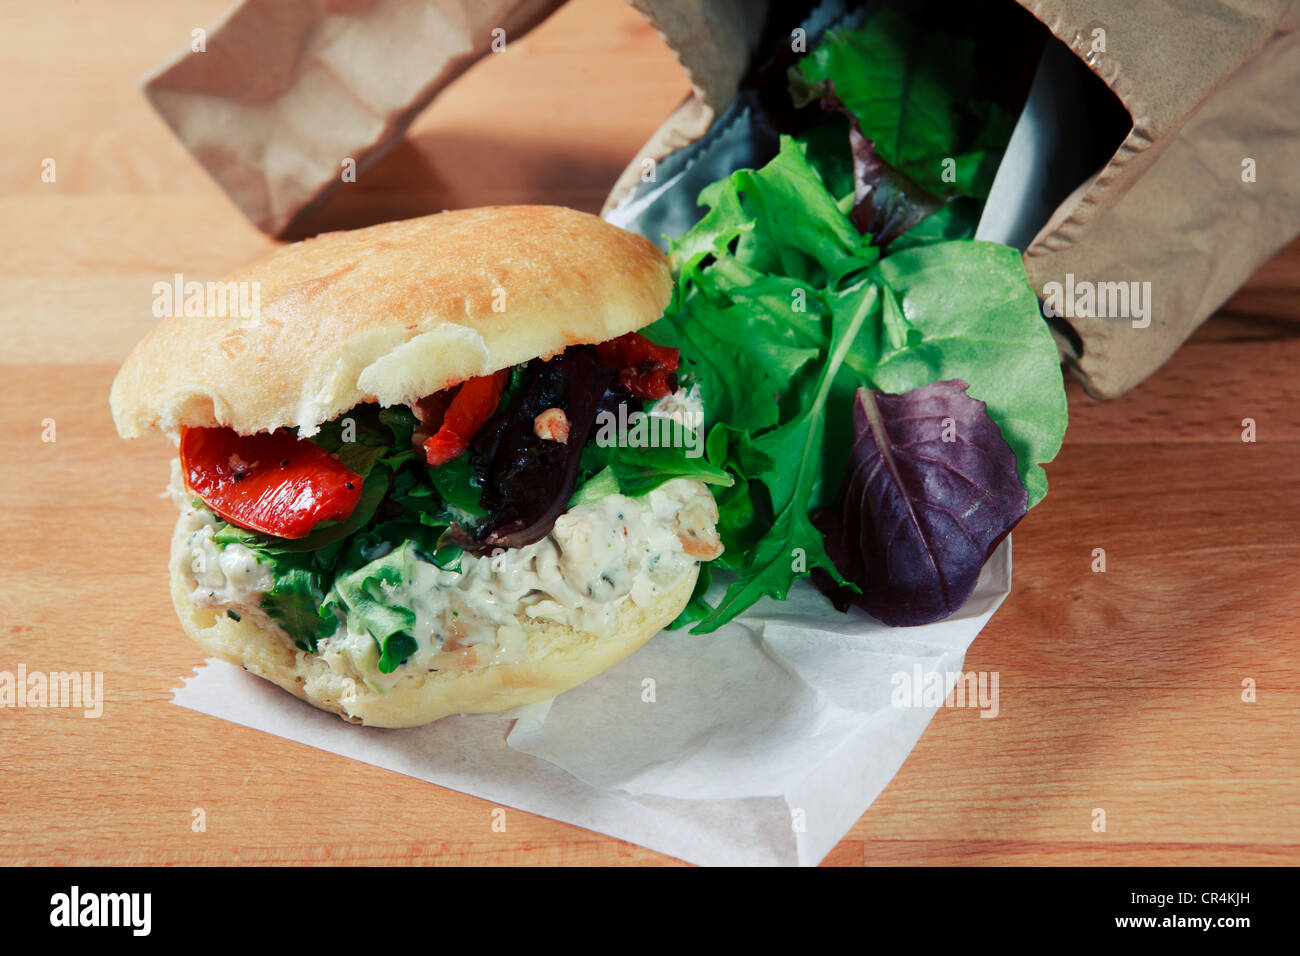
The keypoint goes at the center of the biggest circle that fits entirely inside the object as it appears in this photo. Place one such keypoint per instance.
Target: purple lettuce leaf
(885, 202)
(527, 480)
(931, 489)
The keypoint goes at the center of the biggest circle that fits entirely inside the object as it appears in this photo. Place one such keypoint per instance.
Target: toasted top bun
(391, 313)
(558, 658)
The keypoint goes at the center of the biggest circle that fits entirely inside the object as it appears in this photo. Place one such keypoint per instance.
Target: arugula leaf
(794, 546)
(720, 351)
(639, 470)
(367, 435)
(636, 471)
(402, 423)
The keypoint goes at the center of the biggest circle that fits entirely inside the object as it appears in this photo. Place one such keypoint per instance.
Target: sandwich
(415, 480)
(460, 463)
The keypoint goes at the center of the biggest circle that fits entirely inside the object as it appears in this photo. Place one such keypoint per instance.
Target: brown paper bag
(1201, 191)
(287, 98)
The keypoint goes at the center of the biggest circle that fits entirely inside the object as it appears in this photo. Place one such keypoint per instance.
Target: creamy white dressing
(684, 406)
(221, 576)
(597, 557)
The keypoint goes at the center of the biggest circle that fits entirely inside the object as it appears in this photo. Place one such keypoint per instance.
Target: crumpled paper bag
(285, 94)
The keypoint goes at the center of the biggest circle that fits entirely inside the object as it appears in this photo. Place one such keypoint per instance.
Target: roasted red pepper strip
(275, 483)
(644, 368)
(470, 407)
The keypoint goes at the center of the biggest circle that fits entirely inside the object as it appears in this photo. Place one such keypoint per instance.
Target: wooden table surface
(1119, 690)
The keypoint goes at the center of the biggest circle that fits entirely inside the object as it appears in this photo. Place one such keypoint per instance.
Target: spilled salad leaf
(931, 489)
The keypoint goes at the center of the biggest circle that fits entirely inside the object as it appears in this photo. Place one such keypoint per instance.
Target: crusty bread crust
(392, 313)
(557, 658)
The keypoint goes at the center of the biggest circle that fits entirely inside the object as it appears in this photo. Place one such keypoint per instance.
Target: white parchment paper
(760, 744)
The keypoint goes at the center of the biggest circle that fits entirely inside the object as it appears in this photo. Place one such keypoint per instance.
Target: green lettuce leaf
(794, 547)
(600, 485)
(364, 599)
(294, 602)
(456, 484)
(909, 89)
(978, 320)
(637, 470)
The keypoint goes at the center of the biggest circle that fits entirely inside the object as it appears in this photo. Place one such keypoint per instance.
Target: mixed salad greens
(881, 387)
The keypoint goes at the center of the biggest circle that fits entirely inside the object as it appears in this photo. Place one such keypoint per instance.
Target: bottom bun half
(557, 658)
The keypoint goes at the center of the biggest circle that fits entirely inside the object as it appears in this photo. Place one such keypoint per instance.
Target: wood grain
(1119, 690)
